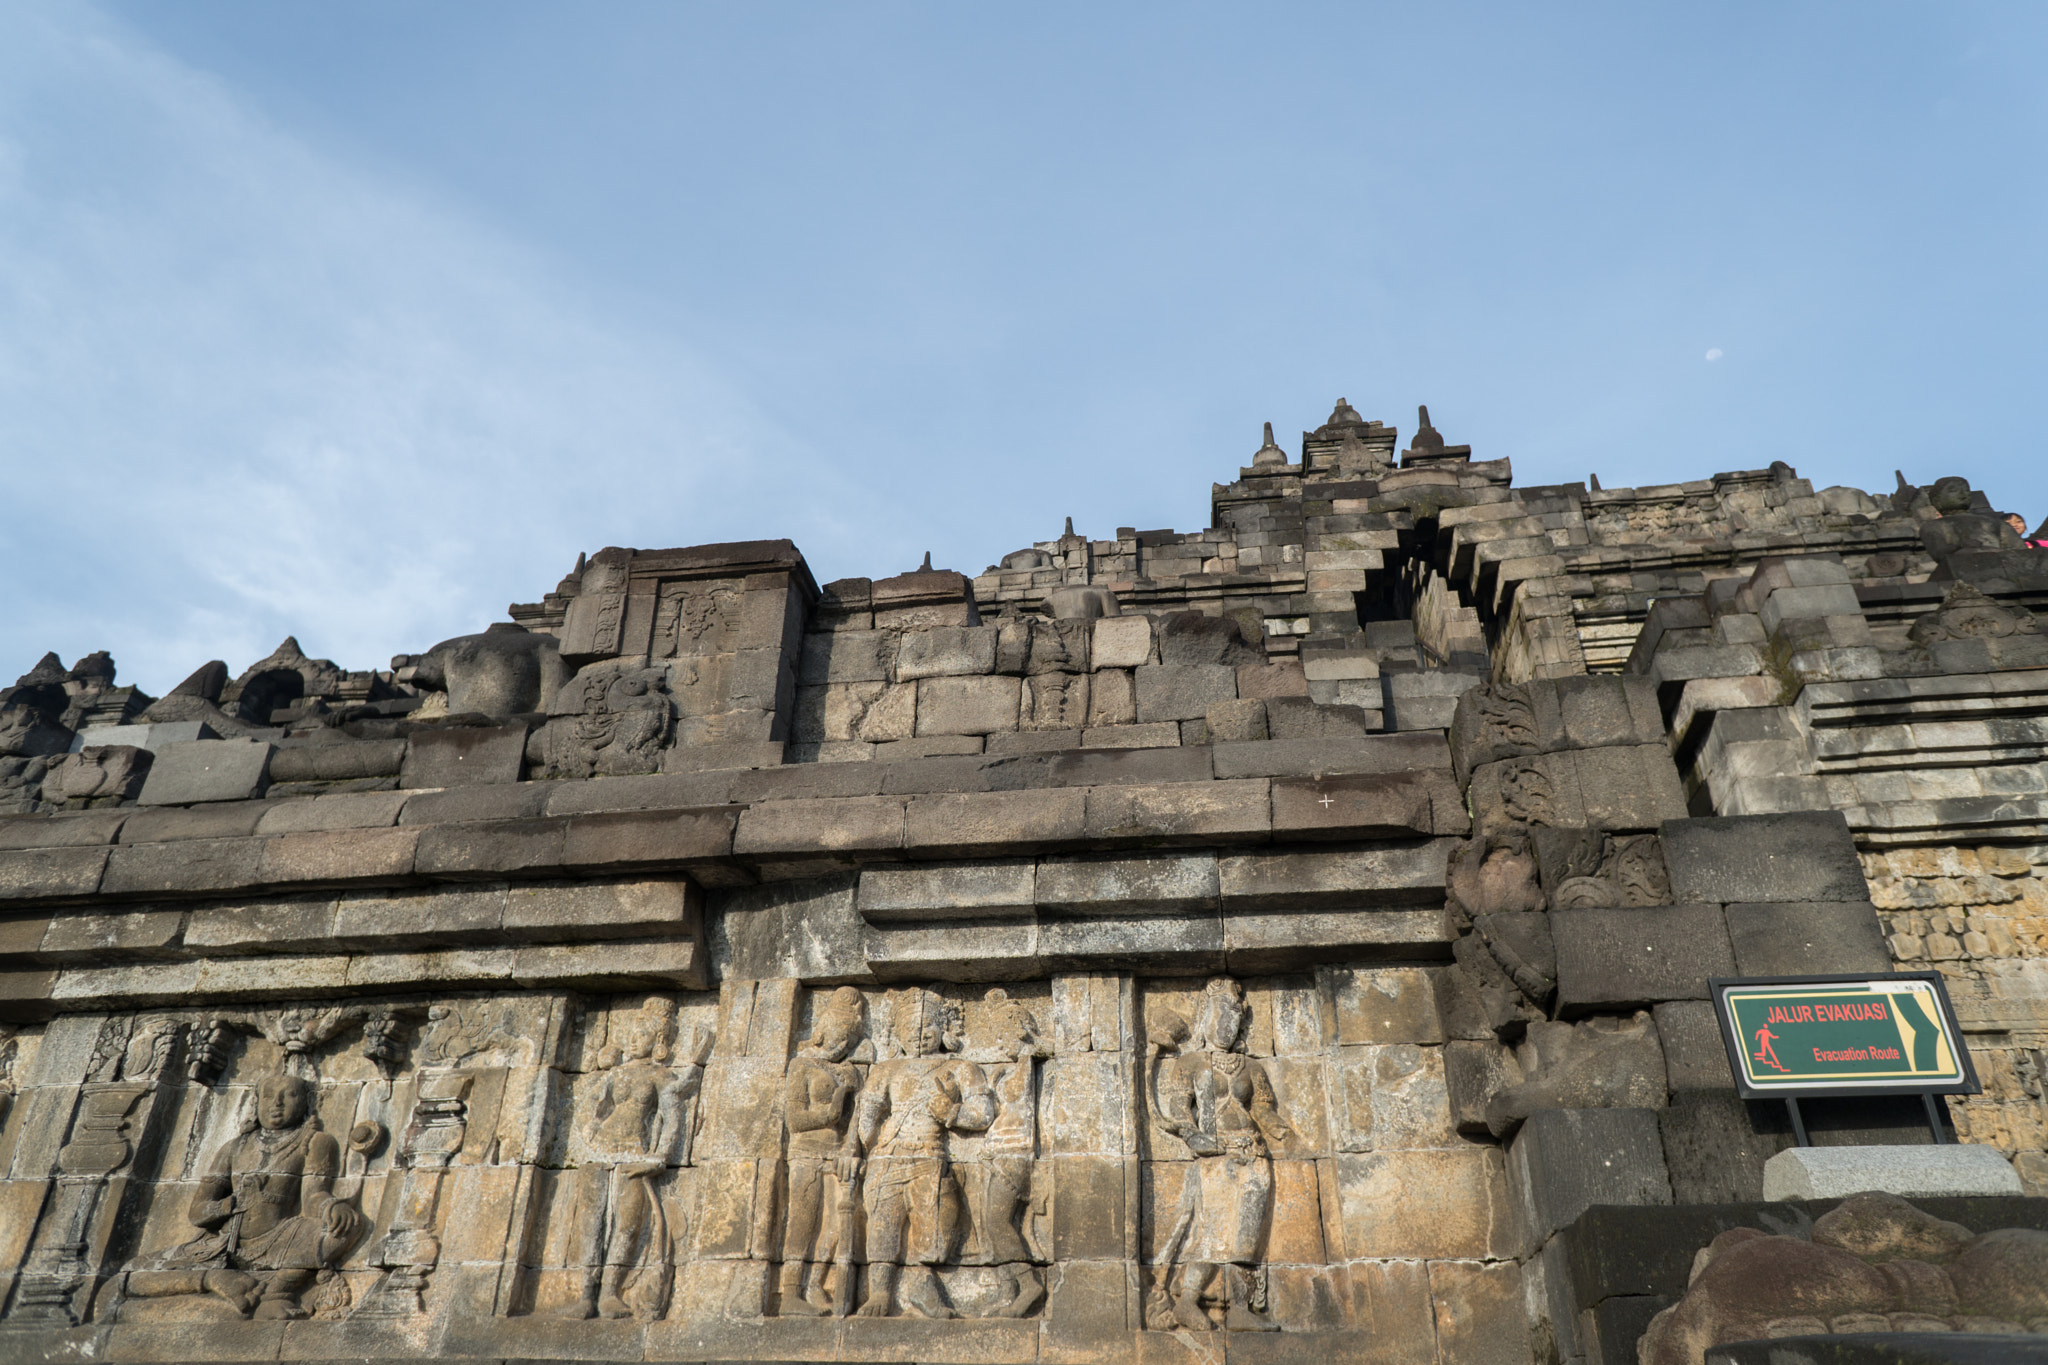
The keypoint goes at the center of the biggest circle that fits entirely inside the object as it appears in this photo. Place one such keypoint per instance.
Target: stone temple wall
(1285, 938)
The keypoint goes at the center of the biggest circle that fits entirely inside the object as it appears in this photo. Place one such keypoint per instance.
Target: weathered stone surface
(464, 755)
(1833, 1172)
(207, 770)
(1630, 958)
(40, 873)
(967, 706)
(1182, 691)
(1403, 875)
(1180, 813)
(1807, 938)
(1161, 883)
(1563, 1161)
(952, 891)
(1798, 856)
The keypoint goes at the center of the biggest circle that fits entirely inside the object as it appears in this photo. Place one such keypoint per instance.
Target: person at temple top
(2038, 540)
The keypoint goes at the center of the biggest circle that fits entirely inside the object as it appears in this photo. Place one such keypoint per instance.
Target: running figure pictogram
(1764, 1053)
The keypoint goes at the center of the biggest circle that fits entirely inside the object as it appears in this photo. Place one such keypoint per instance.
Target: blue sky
(359, 321)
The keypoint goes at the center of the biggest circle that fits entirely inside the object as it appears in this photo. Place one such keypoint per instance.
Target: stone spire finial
(1270, 453)
(1068, 534)
(926, 567)
(1427, 438)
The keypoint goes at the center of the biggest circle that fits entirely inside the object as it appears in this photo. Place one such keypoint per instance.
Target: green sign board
(1833, 1035)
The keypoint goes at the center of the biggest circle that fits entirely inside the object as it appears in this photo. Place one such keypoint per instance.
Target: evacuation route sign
(1814, 1035)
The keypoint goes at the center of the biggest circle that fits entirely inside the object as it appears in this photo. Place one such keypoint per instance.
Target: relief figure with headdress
(635, 1130)
(817, 1103)
(1222, 1105)
(901, 1153)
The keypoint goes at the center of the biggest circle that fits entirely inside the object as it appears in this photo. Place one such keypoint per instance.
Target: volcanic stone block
(1694, 1056)
(1479, 1313)
(967, 706)
(462, 756)
(418, 919)
(603, 909)
(1338, 880)
(1261, 942)
(207, 770)
(490, 848)
(1302, 718)
(1237, 720)
(1120, 642)
(503, 800)
(185, 866)
(1182, 691)
(1564, 1161)
(337, 855)
(1279, 678)
(1387, 806)
(947, 652)
(855, 824)
(223, 820)
(1111, 699)
(1179, 943)
(1164, 735)
(1123, 767)
(1629, 789)
(1714, 1146)
(848, 656)
(1432, 1204)
(1795, 856)
(1191, 637)
(35, 873)
(1315, 757)
(1180, 812)
(338, 762)
(82, 830)
(1383, 1005)
(152, 737)
(969, 890)
(346, 810)
(1474, 1072)
(618, 840)
(990, 822)
(1599, 713)
(1911, 1172)
(1806, 938)
(1128, 886)
(1629, 958)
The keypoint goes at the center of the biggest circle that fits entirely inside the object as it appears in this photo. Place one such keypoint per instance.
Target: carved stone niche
(726, 622)
(664, 604)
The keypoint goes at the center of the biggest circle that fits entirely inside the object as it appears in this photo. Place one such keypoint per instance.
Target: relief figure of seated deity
(269, 1222)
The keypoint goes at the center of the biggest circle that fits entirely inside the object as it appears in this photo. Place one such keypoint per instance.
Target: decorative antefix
(1297, 939)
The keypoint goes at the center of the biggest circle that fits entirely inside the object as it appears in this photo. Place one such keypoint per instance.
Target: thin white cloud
(246, 389)
(1715, 353)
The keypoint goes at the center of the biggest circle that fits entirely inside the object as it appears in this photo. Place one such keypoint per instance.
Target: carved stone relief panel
(1205, 1155)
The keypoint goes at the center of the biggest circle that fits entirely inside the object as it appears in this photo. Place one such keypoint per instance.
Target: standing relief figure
(901, 1153)
(635, 1131)
(817, 1102)
(268, 1217)
(999, 1194)
(1220, 1103)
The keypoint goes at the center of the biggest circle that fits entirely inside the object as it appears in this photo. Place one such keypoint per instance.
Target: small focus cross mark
(1325, 803)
